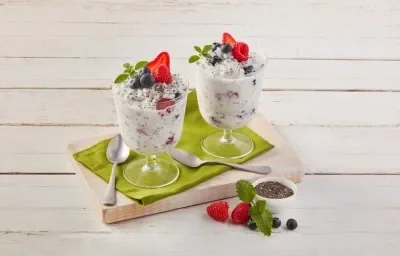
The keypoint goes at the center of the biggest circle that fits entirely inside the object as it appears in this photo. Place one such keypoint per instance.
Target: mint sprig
(262, 217)
(201, 52)
(258, 212)
(245, 191)
(129, 71)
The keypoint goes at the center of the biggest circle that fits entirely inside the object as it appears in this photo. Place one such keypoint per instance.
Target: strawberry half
(240, 51)
(228, 39)
(162, 58)
(164, 103)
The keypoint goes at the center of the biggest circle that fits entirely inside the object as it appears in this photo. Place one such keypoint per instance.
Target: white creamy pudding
(151, 119)
(229, 82)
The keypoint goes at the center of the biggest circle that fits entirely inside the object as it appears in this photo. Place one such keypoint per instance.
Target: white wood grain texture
(330, 223)
(305, 29)
(280, 74)
(315, 18)
(273, 24)
(372, 150)
(182, 47)
(96, 107)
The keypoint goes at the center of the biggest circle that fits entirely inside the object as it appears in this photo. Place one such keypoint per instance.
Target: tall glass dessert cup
(228, 93)
(150, 118)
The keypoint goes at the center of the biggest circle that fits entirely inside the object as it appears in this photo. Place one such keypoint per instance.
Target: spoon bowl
(117, 153)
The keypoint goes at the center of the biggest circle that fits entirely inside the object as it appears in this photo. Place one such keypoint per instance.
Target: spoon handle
(109, 198)
(248, 168)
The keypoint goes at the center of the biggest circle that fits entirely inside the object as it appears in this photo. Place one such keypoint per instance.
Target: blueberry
(276, 222)
(135, 84)
(226, 48)
(291, 224)
(147, 80)
(248, 70)
(142, 71)
(251, 225)
(215, 60)
(215, 46)
(177, 95)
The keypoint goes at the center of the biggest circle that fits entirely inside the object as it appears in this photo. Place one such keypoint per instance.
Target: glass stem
(227, 137)
(151, 163)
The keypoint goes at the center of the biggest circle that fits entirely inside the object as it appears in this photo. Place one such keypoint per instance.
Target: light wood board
(281, 158)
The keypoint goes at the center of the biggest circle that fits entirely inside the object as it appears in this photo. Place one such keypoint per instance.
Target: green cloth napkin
(194, 130)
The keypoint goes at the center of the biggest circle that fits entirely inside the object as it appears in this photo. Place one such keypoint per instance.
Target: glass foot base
(142, 175)
(239, 146)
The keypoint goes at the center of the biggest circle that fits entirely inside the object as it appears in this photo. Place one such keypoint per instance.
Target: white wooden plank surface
(315, 18)
(280, 74)
(355, 214)
(286, 30)
(96, 107)
(182, 47)
(31, 149)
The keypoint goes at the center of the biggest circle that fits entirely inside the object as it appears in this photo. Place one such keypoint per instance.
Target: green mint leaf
(260, 205)
(141, 64)
(121, 78)
(206, 48)
(193, 58)
(262, 217)
(126, 65)
(245, 191)
(127, 70)
(197, 48)
(132, 73)
(207, 55)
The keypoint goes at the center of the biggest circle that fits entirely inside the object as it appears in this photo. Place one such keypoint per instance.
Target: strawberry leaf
(245, 191)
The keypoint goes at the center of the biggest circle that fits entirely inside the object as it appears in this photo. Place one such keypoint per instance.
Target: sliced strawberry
(162, 58)
(240, 51)
(162, 74)
(228, 39)
(164, 103)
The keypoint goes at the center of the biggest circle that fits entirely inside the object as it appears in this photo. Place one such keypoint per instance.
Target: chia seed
(273, 189)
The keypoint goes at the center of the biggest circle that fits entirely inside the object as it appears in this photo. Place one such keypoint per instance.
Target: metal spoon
(192, 161)
(117, 152)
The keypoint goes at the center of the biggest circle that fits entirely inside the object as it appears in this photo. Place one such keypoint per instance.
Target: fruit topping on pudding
(150, 84)
(229, 58)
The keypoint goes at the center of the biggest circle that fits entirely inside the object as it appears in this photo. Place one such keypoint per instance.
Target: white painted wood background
(332, 89)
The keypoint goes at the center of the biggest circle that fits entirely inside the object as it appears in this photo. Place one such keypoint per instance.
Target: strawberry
(164, 103)
(162, 58)
(162, 74)
(240, 51)
(218, 211)
(228, 39)
(240, 214)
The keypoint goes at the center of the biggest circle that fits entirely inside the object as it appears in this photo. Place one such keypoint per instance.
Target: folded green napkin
(194, 130)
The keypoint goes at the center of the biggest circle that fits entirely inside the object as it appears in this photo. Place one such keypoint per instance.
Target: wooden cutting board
(281, 158)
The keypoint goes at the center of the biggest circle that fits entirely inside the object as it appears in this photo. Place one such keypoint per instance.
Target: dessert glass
(151, 132)
(228, 104)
